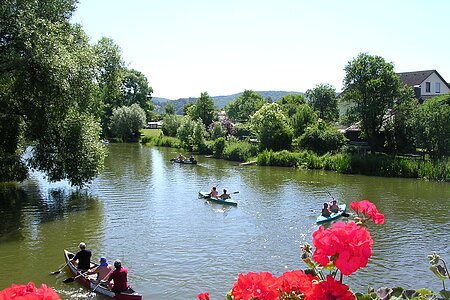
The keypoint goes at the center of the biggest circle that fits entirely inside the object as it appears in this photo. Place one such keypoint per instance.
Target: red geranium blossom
(29, 292)
(296, 282)
(347, 245)
(330, 290)
(369, 210)
(203, 296)
(261, 286)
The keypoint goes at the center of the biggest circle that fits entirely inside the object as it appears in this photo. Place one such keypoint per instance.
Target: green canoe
(321, 219)
(205, 196)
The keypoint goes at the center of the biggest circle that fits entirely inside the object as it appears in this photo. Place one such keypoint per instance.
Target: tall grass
(360, 163)
(162, 140)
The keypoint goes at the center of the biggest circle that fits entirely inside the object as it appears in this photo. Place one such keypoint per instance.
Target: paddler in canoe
(325, 210)
(103, 270)
(118, 279)
(213, 193)
(225, 195)
(334, 208)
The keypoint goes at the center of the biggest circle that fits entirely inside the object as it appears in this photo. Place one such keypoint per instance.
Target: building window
(427, 87)
(438, 87)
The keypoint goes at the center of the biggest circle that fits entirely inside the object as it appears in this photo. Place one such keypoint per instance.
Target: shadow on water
(28, 204)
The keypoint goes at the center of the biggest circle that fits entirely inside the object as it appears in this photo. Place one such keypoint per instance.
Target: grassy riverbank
(364, 163)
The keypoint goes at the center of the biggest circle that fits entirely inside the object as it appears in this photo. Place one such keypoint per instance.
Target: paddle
(72, 279)
(102, 279)
(344, 214)
(60, 269)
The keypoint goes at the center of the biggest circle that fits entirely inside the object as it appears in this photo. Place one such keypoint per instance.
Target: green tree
(373, 87)
(291, 103)
(271, 127)
(70, 149)
(304, 117)
(136, 89)
(433, 126)
(170, 109)
(322, 138)
(192, 133)
(244, 106)
(188, 107)
(47, 87)
(111, 73)
(126, 121)
(323, 99)
(170, 124)
(216, 130)
(203, 109)
(400, 127)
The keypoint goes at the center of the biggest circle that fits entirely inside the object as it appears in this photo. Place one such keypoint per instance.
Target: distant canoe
(205, 196)
(188, 162)
(321, 219)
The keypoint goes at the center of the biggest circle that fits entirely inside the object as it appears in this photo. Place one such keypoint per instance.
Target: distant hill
(220, 101)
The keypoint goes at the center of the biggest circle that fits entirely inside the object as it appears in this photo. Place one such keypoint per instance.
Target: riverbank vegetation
(405, 138)
(62, 95)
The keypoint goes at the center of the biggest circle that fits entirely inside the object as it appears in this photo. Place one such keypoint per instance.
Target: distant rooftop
(415, 78)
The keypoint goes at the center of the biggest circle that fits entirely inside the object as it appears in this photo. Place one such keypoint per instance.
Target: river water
(144, 210)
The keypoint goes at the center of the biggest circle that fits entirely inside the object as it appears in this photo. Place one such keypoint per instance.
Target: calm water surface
(144, 210)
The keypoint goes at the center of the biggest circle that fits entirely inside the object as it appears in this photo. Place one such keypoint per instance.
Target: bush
(322, 138)
(239, 151)
(170, 124)
(218, 147)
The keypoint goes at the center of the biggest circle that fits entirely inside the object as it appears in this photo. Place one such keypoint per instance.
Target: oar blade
(68, 280)
(55, 272)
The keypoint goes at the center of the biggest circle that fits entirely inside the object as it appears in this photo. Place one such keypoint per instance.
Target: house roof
(417, 77)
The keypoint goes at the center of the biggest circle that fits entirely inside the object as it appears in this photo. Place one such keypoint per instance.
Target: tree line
(386, 111)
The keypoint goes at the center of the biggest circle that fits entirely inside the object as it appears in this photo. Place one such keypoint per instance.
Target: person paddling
(82, 260)
(214, 193)
(334, 208)
(101, 270)
(225, 195)
(325, 211)
(118, 279)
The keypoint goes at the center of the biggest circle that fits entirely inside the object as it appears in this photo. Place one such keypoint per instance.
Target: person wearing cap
(214, 193)
(118, 279)
(82, 260)
(101, 270)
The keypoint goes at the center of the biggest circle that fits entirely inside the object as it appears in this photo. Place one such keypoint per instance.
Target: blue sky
(224, 47)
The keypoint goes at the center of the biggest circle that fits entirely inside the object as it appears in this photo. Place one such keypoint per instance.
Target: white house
(426, 84)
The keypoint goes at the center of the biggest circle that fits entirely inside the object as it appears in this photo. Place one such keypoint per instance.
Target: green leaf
(439, 271)
(445, 294)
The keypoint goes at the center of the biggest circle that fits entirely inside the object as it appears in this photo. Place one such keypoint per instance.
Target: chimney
(418, 91)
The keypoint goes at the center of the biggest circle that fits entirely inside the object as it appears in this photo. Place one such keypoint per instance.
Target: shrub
(322, 138)
(218, 147)
(239, 151)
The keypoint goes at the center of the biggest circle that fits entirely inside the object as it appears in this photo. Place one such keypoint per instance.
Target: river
(144, 210)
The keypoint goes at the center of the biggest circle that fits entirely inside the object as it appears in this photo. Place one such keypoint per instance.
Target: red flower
(261, 286)
(296, 282)
(29, 292)
(203, 296)
(346, 245)
(369, 210)
(330, 290)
